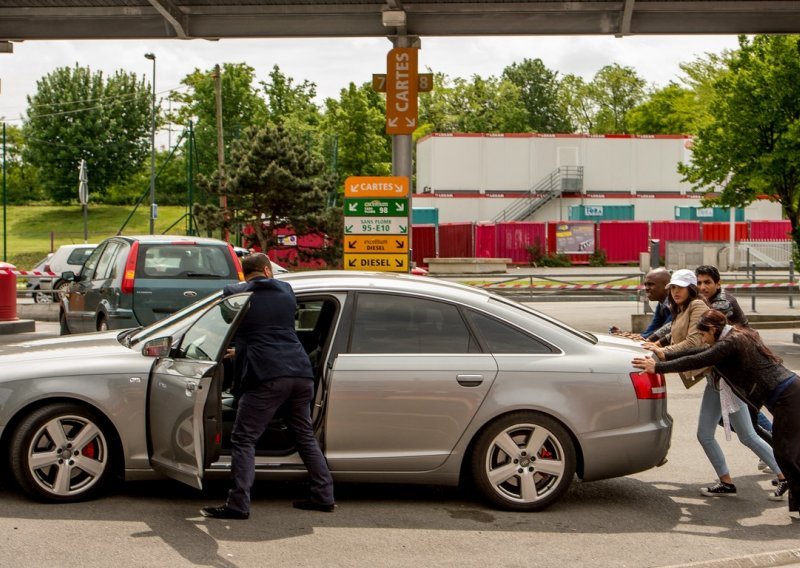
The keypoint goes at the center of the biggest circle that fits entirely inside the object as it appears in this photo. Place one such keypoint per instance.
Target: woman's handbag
(691, 378)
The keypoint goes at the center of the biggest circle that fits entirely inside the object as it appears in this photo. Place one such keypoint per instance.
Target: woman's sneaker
(780, 491)
(720, 489)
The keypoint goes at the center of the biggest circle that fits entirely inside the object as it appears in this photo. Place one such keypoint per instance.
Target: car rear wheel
(61, 452)
(102, 324)
(524, 461)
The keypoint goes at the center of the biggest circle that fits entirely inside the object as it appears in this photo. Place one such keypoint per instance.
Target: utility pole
(223, 199)
(153, 206)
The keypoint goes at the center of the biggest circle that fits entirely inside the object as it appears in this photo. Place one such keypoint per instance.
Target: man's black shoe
(224, 512)
(309, 505)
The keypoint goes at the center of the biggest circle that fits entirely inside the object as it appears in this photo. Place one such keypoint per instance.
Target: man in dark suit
(274, 370)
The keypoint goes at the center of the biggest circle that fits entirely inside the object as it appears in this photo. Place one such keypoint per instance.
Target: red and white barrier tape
(18, 273)
(631, 287)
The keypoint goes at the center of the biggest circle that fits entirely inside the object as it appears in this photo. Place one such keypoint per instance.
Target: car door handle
(469, 380)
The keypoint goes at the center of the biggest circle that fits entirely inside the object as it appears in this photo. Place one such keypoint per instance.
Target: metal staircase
(563, 178)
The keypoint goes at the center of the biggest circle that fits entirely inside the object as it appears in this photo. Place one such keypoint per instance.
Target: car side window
(88, 270)
(503, 338)
(206, 338)
(386, 323)
(106, 261)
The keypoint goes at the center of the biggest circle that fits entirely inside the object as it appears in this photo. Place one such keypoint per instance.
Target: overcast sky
(333, 64)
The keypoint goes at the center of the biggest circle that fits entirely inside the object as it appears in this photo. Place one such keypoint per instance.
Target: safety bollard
(8, 292)
(791, 284)
(753, 293)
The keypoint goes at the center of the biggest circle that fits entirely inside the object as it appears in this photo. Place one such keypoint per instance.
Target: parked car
(34, 283)
(135, 281)
(46, 289)
(417, 380)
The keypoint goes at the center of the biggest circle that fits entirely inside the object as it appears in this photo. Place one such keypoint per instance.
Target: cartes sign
(401, 90)
(376, 244)
(384, 186)
(376, 223)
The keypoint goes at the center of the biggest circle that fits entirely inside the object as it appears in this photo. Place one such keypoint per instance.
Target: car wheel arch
(115, 441)
(466, 457)
(508, 491)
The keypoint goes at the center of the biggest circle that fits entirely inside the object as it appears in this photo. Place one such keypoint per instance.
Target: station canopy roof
(22, 20)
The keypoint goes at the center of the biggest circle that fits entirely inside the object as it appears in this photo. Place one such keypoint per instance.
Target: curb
(763, 560)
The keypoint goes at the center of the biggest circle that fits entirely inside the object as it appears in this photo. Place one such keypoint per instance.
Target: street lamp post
(153, 206)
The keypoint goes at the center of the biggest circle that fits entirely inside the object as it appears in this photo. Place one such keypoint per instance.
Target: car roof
(73, 247)
(346, 280)
(172, 239)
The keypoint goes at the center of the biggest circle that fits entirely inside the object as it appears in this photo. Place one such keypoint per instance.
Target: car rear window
(170, 260)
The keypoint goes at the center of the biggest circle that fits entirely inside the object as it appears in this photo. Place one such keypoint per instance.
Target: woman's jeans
(710, 414)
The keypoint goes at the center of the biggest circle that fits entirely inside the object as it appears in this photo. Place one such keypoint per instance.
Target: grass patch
(33, 231)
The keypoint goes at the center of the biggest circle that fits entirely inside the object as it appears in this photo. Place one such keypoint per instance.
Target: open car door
(184, 421)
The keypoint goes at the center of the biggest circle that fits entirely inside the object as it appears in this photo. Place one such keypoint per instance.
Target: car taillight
(649, 385)
(130, 269)
(236, 262)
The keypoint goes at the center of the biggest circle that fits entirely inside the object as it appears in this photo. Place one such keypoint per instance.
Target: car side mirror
(68, 276)
(157, 347)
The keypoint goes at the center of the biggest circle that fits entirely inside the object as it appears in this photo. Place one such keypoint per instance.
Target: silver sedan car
(418, 381)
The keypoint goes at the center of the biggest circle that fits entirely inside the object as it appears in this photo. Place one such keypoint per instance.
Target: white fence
(763, 253)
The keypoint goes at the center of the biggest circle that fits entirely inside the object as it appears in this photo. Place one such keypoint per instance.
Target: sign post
(376, 223)
(83, 196)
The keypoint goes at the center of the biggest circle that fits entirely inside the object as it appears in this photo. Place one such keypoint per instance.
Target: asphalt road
(655, 518)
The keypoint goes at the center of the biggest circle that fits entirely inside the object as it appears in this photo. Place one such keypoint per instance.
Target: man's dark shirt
(267, 346)
(661, 316)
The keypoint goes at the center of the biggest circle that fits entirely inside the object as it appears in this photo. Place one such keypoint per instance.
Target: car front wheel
(61, 453)
(524, 461)
(62, 288)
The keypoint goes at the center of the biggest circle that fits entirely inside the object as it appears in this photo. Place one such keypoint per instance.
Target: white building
(475, 177)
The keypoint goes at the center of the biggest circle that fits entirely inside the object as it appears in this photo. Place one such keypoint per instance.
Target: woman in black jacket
(756, 375)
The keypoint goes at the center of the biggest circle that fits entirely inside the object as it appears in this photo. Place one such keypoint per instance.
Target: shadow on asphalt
(617, 506)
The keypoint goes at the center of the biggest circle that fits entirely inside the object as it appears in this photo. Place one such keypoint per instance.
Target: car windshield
(168, 326)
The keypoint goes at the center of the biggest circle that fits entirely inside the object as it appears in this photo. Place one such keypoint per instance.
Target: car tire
(102, 324)
(523, 461)
(61, 453)
(63, 327)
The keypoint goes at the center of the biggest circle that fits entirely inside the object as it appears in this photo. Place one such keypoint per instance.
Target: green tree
(580, 107)
(539, 92)
(436, 113)
(488, 105)
(76, 114)
(356, 123)
(751, 146)
(242, 106)
(615, 90)
(171, 182)
(273, 181)
(682, 107)
(22, 178)
(667, 111)
(289, 104)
